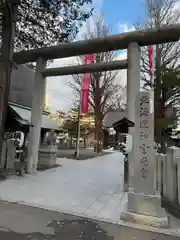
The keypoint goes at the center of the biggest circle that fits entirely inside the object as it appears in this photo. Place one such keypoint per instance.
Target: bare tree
(104, 89)
(118, 100)
(161, 12)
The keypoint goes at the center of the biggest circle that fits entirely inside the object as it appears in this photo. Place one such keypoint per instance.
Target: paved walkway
(90, 188)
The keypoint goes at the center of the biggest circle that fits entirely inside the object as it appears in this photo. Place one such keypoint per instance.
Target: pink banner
(86, 82)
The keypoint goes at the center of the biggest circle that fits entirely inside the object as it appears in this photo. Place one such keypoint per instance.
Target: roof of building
(125, 121)
(113, 116)
(24, 116)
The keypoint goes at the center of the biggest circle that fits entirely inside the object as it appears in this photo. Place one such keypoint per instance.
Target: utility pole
(77, 147)
(9, 18)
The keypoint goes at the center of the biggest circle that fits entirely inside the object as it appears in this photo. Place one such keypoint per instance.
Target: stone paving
(90, 188)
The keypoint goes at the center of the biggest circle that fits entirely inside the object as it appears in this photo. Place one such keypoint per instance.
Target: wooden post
(126, 174)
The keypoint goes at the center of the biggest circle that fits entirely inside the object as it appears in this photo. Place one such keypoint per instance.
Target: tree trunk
(85, 142)
(160, 95)
(98, 117)
(163, 133)
(98, 132)
(71, 142)
(157, 94)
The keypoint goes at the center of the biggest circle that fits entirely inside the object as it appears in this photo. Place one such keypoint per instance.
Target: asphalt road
(20, 222)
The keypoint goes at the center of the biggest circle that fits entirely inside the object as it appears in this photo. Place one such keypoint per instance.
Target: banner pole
(78, 129)
(85, 85)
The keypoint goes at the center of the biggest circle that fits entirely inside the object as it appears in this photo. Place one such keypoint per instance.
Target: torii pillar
(36, 116)
(133, 88)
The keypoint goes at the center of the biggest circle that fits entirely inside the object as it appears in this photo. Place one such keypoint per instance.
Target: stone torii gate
(142, 207)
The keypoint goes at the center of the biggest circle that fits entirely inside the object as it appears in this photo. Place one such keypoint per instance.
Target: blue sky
(121, 12)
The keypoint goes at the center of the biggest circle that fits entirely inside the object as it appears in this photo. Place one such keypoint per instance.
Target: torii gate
(142, 207)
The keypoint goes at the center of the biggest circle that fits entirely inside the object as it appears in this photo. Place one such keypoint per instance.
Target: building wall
(21, 89)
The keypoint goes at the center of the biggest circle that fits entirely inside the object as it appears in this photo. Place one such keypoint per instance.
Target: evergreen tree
(43, 23)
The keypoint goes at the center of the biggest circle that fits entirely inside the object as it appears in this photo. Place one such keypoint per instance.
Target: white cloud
(122, 74)
(62, 94)
(97, 4)
(126, 28)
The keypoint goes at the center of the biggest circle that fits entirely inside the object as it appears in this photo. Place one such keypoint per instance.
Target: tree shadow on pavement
(63, 230)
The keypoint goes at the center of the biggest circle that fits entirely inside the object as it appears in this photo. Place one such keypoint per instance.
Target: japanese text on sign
(144, 125)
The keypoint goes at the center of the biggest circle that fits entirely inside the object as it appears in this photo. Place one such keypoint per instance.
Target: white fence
(167, 177)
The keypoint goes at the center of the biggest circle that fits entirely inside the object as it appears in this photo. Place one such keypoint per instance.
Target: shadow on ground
(66, 229)
(42, 168)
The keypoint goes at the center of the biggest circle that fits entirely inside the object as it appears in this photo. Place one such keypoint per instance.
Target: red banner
(85, 101)
(89, 59)
(150, 50)
(86, 82)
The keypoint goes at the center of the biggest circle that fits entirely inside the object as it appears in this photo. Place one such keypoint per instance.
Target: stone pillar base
(126, 187)
(145, 209)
